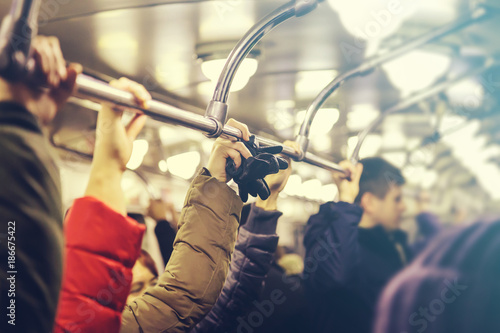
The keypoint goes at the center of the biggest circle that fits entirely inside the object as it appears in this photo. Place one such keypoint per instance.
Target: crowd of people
(223, 269)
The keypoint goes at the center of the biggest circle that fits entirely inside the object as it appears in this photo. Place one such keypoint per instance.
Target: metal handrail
(479, 14)
(412, 100)
(217, 107)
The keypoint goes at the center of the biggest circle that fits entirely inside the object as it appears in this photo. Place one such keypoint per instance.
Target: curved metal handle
(217, 108)
(412, 100)
(478, 14)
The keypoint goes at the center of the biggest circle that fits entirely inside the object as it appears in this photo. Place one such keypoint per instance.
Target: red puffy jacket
(84, 305)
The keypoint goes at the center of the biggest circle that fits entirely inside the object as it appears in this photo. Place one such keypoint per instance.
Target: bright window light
(321, 143)
(429, 179)
(398, 159)
(184, 165)
(329, 192)
(282, 115)
(294, 185)
(310, 83)
(311, 189)
(139, 150)
(450, 122)
(369, 148)
(163, 166)
(361, 115)
(468, 94)
(421, 157)
(213, 68)
(416, 70)
(414, 173)
(394, 139)
(472, 152)
(323, 122)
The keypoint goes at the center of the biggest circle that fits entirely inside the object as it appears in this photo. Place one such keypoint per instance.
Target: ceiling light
(120, 50)
(374, 19)
(139, 150)
(430, 11)
(184, 165)
(416, 70)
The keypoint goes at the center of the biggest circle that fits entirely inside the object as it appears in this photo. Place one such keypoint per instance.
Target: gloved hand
(251, 173)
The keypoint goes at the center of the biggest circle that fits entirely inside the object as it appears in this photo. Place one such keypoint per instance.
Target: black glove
(250, 175)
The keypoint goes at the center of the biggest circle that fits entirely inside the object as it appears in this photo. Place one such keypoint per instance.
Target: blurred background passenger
(453, 286)
(356, 246)
(144, 275)
(31, 239)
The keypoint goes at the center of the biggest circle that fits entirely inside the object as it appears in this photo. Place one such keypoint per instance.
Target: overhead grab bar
(477, 15)
(412, 100)
(90, 88)
(217, 107)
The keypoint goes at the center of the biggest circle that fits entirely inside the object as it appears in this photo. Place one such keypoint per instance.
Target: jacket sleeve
(101, 249)
(332, 248)
(31, 237)
(253, 255)
(197, 269)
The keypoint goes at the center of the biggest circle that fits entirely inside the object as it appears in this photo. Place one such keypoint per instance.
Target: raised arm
(331, 237)
(256, 244)
(197, 269)
(31, 238)
(102, 243)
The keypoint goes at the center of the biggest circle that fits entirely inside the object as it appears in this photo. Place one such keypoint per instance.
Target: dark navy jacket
(346, 267)
(252, 258)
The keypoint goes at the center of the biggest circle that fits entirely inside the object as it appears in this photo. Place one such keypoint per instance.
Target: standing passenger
(31, 239)
(354, 246)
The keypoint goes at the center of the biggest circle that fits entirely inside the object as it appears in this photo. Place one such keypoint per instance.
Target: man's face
(388, 211)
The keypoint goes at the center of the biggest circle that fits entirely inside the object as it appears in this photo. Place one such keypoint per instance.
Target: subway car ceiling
(448, 143)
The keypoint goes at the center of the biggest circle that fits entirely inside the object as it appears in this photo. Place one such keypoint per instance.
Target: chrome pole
(476, 15)
(217, 108)
(412, 100)
(90, 88)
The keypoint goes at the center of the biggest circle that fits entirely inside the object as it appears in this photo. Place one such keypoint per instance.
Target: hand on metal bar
(50, 83)
(250, 175)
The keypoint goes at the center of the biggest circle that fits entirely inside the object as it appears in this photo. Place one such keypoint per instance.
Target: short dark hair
(377, 178)
(147, 261)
